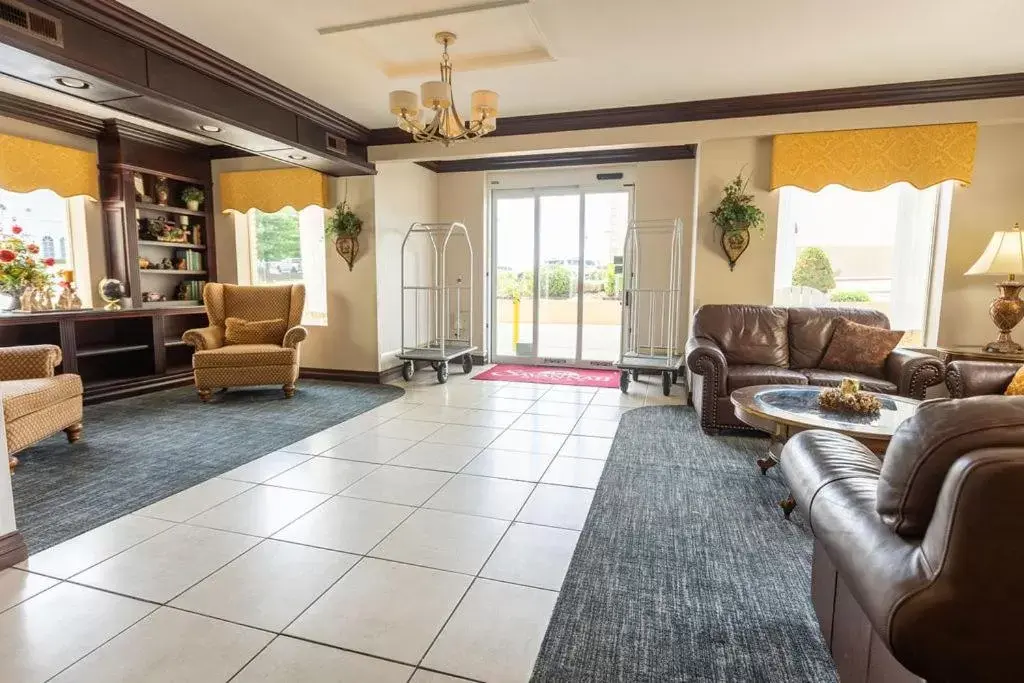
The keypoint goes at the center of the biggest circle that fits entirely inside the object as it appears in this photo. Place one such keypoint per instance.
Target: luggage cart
(438, 337)
(650, 311)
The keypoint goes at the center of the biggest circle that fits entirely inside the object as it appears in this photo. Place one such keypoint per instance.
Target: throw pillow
(238, 331)
(859, 348)
(1016, 387)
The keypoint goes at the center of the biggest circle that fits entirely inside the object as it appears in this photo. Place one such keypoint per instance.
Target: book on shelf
(193, 259)
(191, 290)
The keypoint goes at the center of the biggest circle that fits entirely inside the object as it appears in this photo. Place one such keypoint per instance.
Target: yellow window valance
(272, 190)
(873, 158)
(28, 165)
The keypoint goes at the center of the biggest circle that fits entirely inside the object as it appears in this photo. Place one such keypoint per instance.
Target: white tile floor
(423, 541)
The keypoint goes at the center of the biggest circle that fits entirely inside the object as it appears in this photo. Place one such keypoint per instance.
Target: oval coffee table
(784, 410)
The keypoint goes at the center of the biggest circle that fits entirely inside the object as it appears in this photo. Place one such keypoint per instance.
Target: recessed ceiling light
(297, 157)
(71, 82)
(209, 128)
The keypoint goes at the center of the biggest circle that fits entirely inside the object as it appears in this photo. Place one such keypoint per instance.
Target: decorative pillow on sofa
(238, 331)
(859, 348)
(1016, 387)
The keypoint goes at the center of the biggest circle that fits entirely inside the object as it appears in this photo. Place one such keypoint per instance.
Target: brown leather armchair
(966, 378)
(734, 346)
(917, 557)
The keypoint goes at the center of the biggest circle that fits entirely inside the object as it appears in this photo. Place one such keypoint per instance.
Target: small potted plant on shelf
(193, 197)
(736, 215)
(22, 268)
(344, 227)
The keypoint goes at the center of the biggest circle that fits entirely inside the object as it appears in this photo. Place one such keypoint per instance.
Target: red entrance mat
(573, 377)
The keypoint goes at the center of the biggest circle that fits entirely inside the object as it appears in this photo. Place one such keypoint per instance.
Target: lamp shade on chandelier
(433, 117)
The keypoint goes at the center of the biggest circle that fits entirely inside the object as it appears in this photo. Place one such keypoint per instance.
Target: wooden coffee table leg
(787, 506)
(778, 440)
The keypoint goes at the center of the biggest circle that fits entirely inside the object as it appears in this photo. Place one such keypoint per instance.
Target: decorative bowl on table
(848, 398)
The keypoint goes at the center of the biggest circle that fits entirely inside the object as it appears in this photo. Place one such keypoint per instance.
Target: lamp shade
(436, 94)
(1003, 255)
(403, 100)
(484, 101)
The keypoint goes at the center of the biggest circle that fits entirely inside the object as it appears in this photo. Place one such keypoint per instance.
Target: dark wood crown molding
(138, 28)
(576, 158)
(50, 116)
(859, 97)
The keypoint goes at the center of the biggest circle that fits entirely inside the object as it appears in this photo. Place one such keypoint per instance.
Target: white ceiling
(563, 55)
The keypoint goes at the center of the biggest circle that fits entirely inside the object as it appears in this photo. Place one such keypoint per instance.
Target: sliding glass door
(557, 273)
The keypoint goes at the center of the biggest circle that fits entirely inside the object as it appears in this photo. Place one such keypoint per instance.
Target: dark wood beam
(888, 95)
(127, 23)
(50, 116)
(576, 158)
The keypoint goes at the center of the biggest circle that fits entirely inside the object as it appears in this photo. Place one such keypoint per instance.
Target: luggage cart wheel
(467, 364)
(675, 376)
(624, 381)
(636, 375)
(442, 372)
(666, 382)
(407, 369)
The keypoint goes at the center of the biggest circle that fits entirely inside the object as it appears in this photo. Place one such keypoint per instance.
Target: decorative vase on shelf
(192, 205)
(10, 300)
(162, 191)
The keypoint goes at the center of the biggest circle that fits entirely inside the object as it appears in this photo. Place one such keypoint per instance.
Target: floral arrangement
(20, 264)
(848, 397)
(737, 210)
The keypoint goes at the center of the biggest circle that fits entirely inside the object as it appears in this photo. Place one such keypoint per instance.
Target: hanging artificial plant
(344, 227)
(736, 215)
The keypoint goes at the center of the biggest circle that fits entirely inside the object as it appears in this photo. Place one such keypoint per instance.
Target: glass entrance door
(557, 264)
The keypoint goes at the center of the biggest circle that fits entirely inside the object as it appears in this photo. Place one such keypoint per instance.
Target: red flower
(48, 261)
(33, 248)
(16, 229)
(6, 255)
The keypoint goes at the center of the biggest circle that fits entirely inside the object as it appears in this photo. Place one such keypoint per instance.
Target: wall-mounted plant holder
(734, 243)
(348, 249)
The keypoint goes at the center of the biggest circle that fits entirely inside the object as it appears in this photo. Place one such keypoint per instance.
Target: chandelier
(445, 124)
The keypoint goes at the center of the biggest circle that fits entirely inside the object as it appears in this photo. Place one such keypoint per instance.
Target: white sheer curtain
(912, 260)
(314, 264)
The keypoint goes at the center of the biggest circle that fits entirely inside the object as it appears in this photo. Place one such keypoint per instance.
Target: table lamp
(1004, 254)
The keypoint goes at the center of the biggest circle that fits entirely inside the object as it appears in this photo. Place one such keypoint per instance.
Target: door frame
(536, 193)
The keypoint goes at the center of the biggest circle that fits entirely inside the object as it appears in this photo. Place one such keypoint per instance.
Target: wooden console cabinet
(117, 353)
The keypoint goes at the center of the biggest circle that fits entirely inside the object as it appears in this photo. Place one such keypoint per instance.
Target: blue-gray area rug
(685, 569)
(136, 451)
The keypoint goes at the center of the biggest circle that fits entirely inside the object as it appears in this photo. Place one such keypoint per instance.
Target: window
(288, 247)
(862, 249)
(43, 217)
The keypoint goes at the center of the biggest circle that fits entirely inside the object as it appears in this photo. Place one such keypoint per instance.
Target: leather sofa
(734, 346)
(918, 556)
(966, 378)
(37, 402)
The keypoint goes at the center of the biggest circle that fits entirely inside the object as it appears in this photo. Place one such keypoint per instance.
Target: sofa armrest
(706, 358)
(913, 372)
(204, 338)
(29, 362)
(966, 378)
(295, 336)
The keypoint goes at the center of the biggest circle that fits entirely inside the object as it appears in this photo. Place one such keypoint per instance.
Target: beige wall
(403, 194)
(994, 201)
(349, 340)
(462, 197)
(752, 281)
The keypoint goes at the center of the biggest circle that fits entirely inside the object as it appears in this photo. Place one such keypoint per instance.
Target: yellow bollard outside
(515, 321)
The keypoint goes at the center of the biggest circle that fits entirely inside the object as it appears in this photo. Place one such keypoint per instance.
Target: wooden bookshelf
(132, 174)
(117, 353)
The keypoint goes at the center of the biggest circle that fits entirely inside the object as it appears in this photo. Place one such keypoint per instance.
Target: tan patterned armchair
(36, 402)
(253, 337)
